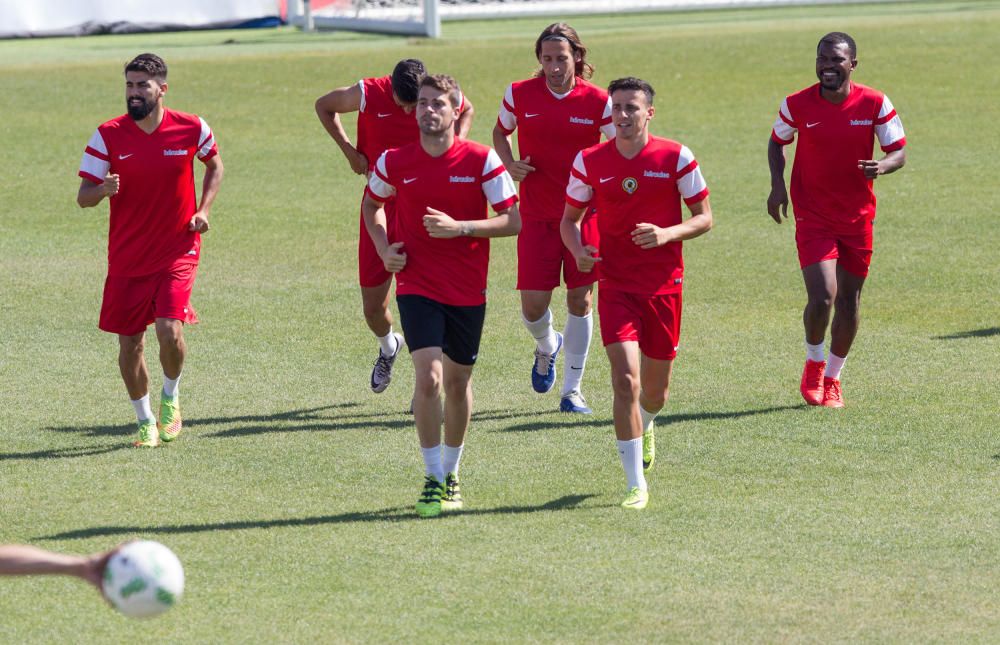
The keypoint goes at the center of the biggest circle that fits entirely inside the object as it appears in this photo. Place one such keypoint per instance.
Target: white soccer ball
(143, 579)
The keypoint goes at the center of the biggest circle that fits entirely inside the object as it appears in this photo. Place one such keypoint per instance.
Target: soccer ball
(143, 579)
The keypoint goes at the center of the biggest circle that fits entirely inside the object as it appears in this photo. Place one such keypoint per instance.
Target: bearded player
(837, 121)
(142, 161)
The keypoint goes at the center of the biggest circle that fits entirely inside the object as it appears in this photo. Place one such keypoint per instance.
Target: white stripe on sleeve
(500, 188)
(507, 118)
(378, 186)
(579, 190)
(608, 129)
(206, 140)
(92, 165)
(691, 183)
(784, 131)
(361, 84)
(891, 131)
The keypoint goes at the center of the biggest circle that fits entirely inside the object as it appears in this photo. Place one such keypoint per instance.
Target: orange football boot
(832, 397)
(811, 386)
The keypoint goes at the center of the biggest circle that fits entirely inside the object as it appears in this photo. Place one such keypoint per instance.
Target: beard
(139, 111)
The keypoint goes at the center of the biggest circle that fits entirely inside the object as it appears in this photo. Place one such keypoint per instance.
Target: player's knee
(578, 304)
(456, 387)
(170, 335)
(625, 386)
(848, 305)
(427, 384)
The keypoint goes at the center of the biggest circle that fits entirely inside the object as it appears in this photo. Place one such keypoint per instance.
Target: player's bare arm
(569, 230)
(887, 164)
(441, 225)
(777, 201)
(648, 236)
(209, 189)
(392, 254)
(464, 123)
(329, 107)
(518, 168)
(91, 194)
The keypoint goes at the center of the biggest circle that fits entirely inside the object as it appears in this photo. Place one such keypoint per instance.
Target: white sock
(542, 332)
(142, 410)
(451, 455)
(432, 462)
(815, 352)
(576, 341)
(631, 455)
(833, 366)
(388, 344)
(171, 386)
(647, 418)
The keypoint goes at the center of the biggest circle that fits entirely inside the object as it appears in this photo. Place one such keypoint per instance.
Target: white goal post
(424, 17)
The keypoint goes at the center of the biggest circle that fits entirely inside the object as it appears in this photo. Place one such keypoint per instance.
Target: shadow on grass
(336, 416)
(577, 422)
(61, 453)
(972, 333)
(395, 514)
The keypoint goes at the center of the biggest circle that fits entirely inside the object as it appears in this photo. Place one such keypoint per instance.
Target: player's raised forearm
(504, 224)
(501, 143)
(91, 194)
(569, 229)
(892, 161)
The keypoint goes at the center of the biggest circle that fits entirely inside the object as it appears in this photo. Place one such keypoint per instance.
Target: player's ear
(163, 88)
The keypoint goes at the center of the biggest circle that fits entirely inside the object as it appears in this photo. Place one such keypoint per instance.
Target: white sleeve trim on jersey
(782, 129)
(506, 117)
(692, 183)
(500, 187)
(379, 187)
(361, 85)
(891, 131)
(579, 191)
(206, 140)
(608, 129)
(95, 166)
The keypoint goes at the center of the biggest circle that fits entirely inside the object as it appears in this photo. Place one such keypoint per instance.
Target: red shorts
(371, 269)
(652, 321)
(133, 303)
(541, 255)
(852, 252)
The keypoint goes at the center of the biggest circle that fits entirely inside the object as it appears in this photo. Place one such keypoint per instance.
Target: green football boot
(170, 418)
(636, 499)
(648, 450)
(429, 504)
(452, 498)
(148, 437)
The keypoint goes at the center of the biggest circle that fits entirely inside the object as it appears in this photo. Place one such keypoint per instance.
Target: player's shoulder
(598, 150)
(377, 82)
(869, 93)
(182, 118)
(587, 88)
(528, 85)
(803, 95)
(117, 123)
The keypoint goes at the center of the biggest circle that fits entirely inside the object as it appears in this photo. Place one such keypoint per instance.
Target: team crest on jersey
(630, 185)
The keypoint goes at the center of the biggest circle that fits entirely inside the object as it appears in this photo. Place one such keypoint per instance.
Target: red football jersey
(382, 123)
(459, 183)
(156, 196)
(626, 192)
(827, 186)
(551, 130)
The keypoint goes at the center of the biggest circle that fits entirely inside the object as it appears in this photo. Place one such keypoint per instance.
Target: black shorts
(456, 330)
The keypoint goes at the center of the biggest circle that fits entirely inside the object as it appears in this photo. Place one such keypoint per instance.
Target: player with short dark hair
(837, 121)
(385, 120)
(556, 113)
(439, 252)
(143, 161)
(637, 182)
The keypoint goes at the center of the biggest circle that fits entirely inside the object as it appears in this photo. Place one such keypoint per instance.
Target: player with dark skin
(827, 284)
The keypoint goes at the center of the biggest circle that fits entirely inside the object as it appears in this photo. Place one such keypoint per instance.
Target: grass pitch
(289, 496)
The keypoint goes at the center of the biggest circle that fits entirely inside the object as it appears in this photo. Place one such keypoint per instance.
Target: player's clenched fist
(110, 185)
(585, 262)
(393, 259)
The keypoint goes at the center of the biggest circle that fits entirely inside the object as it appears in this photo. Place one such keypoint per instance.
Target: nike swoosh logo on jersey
(809, 125)
(529, 115)
(605, 180)
(410, 180)
(120, 157)
(382, 116)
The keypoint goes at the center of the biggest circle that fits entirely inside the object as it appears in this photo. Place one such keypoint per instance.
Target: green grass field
(289, 496)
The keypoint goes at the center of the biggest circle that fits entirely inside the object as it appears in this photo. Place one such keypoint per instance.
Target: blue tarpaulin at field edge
(29, 19)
